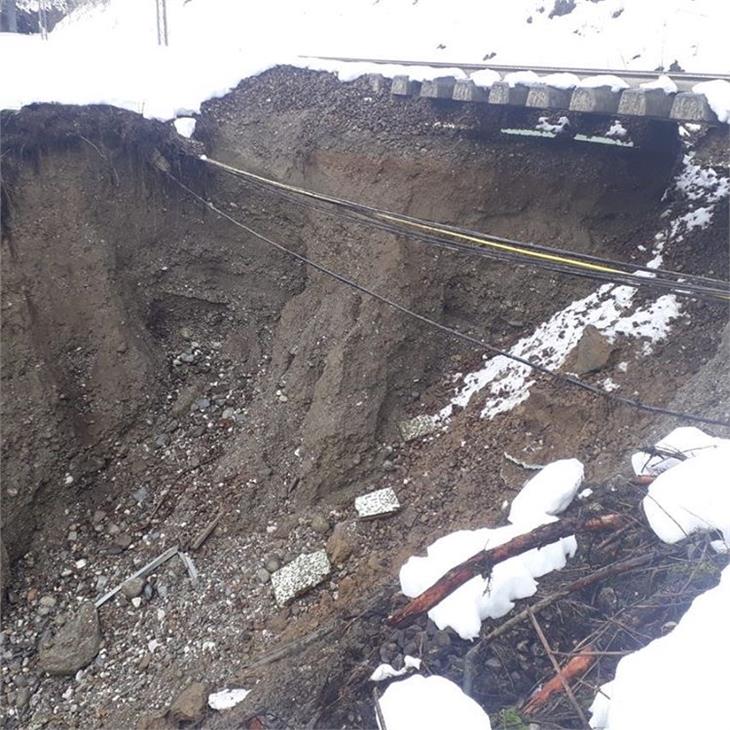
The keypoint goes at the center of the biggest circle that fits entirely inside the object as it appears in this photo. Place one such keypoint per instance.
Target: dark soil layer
(148, 344)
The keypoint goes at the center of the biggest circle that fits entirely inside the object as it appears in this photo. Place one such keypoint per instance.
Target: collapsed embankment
(145, 338)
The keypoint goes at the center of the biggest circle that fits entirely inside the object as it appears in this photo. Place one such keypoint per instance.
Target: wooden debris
(483, 562)
(206, 532)
(472, 656)
(576, 667)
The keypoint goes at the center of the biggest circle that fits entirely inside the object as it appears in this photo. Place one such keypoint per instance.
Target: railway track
(680, 103)
(631, 77)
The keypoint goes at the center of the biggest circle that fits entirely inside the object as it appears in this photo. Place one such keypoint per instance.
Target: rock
(137, 601)
(141, 495)
(320, 524)
(22, 697)
(132, 588)
(202, 404)
(98, 516)
(263, 575)
(74, 645)
(388, 465)
(46, 605)
(593, 352)
(229, 413)
(122, 541)
(339, 545)
(442, 639)
(272, 564)
(190, 704)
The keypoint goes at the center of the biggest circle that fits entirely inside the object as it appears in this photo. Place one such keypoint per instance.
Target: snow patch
(679, 680)
(594, 82)
(717, 94)
(226, 698)
(692, 496)
(185, 126)
(663, 82)
(430, 703)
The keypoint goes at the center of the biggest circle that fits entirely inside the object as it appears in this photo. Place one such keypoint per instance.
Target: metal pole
(159, 35)
(164, 21)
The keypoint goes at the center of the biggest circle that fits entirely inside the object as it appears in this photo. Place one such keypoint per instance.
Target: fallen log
(483, 562)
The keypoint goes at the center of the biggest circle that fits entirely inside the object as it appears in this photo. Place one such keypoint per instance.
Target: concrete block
(502, 93)
(378, 83)
(601, 100)
(645, 103)
(543, 96)
(467, 90)
(691, 107)
(440, 88)
(304, 572)
(403, 86)
(377, 504)
(417, 427)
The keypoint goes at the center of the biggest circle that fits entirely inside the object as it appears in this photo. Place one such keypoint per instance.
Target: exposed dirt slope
(160, 365)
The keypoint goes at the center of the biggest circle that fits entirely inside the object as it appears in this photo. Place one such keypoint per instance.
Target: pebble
(22, 697)
(263, 575)
(123, 541)
(320, 524)
(98, 516)
(133, 587)
(272, 564)
(46, 605)
(73, 536)
(136, 601)
(202, 404)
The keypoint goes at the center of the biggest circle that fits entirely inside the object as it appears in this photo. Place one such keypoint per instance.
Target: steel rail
(578, 71)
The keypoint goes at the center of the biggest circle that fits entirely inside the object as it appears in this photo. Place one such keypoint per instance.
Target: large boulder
(74, 645)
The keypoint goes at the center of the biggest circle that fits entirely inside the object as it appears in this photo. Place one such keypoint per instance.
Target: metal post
(161, 7)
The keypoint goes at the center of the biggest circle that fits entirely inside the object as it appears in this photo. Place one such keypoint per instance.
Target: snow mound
(692, 496)
(550, 492)
(485, 77)
(679, 680)
(685, 442)
(545, 495)
(595, 82)
(430, 703)
(663, 82)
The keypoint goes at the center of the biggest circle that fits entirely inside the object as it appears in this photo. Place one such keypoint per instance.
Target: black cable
(283, 189)
(688, 290)
(561, 377)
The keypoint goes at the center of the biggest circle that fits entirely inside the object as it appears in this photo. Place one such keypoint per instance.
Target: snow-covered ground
(108, 52)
